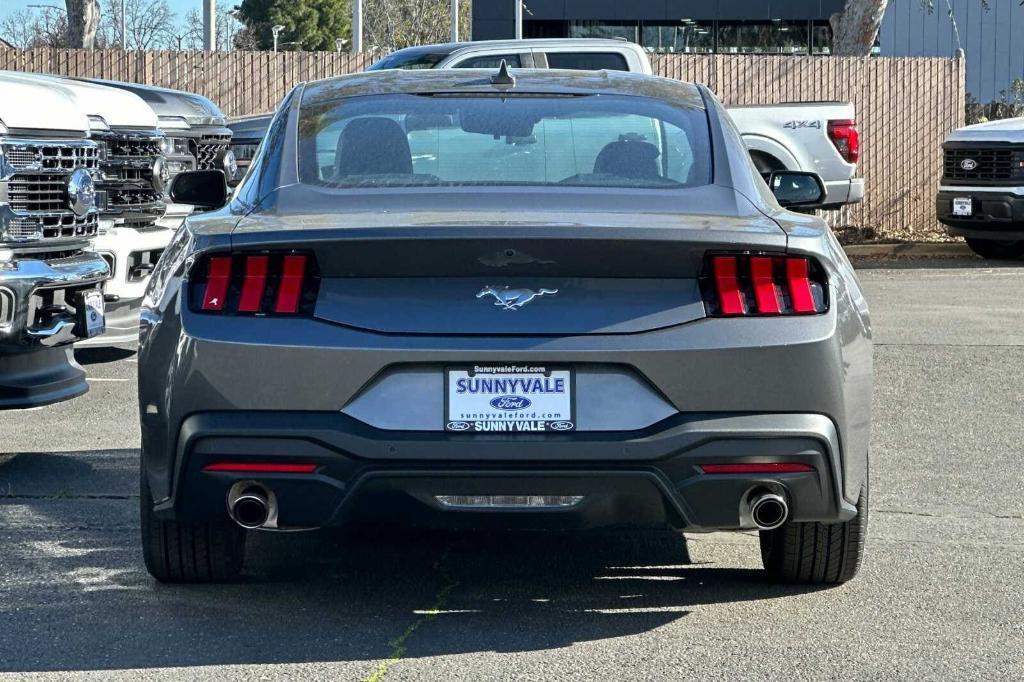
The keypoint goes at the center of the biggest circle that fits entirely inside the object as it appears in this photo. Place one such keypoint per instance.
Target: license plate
(962, 206)
(509, 398)
(90, 314)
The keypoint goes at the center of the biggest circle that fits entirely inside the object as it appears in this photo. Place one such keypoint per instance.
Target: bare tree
(149, 24)
(83, 20)
(25, 28)
(231, 32)
(393, 24)
(855, 28)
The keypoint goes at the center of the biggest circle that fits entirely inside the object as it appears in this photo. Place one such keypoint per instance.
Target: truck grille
(207, 149)
(127, 181)
(984, 165)
(36, 203)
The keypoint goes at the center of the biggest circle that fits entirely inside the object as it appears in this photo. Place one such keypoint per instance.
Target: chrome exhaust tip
(250, 508)
(769, 511)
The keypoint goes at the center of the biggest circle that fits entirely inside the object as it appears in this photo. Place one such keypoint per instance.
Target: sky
(180, 7)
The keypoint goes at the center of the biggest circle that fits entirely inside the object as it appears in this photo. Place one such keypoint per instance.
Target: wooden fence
(905, 106)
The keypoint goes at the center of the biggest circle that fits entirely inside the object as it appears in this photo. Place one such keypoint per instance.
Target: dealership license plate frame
(549, 371)
(963, 206)
(90, 314)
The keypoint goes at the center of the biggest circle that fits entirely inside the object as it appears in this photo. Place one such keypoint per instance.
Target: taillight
(763, 284)
(265, 283)
(846, 138)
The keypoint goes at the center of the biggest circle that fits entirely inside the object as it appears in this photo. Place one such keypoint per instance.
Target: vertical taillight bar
(763, 278)
(253, 284)
(218, 275)
(799, 282)
(293, 270)
(730, 297)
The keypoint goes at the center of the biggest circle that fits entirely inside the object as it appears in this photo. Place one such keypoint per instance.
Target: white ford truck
(981, 195)
(129, 195)
(819, 137)
(50, 282)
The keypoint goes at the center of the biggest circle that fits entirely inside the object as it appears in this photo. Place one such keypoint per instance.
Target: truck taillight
(265, 283)
(846, 138)
(763, 285)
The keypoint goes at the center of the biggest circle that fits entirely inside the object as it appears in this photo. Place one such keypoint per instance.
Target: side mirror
(203, 189)
(796, 188)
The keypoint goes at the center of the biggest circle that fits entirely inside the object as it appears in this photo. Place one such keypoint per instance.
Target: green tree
(308, 24)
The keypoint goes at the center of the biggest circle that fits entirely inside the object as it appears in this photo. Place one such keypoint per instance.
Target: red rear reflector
(218, 274)
(253, 284)
(846, 138)
(730, 298)
(260, 468)
(288, 292)
(769, 468)
(799, 283)
(765, 295)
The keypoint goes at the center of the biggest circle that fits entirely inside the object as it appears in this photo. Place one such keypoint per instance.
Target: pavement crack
(398, 645)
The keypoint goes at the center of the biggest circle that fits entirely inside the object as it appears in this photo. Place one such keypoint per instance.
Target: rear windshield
(411, 59)
(470, 140)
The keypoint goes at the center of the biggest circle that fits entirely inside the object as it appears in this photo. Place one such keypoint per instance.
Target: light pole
(276, 30)
(124, 32)
(519, 19)
(357, 26)
(209, 25)
(455, 21)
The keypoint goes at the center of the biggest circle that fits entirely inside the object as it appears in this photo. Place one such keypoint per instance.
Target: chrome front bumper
(26, 281)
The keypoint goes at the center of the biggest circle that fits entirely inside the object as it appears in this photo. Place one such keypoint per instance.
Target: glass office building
(671, 26)
(991, 33)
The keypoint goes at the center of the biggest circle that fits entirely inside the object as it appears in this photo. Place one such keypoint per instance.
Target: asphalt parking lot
(940, 596)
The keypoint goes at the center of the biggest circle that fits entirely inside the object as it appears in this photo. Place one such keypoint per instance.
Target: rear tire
(817, 553)
(176, 552)
(996, 250)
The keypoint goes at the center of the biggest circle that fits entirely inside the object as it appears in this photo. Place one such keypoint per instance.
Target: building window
(602, 29)
(767, 37)
(689, 37)
(821, 38)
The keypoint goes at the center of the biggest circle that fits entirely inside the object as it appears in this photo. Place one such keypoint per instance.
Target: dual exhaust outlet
(768, 510)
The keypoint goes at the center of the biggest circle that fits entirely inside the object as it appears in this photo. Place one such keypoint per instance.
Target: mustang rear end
(540, 300)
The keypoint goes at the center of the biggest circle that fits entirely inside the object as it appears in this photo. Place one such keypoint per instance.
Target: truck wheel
(189, 552)
(996, 250)
(817, 553)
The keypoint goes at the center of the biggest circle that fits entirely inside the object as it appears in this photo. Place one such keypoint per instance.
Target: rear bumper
(650, 477)
(997, 212)
(841, 192)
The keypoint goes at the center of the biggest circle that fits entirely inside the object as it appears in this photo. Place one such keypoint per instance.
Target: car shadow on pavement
(75, 596)
(102, 356)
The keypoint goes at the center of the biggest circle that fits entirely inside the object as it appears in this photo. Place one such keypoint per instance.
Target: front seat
(372, 146)
(632, 159)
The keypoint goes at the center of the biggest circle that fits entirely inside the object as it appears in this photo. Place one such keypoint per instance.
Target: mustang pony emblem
(514, 299)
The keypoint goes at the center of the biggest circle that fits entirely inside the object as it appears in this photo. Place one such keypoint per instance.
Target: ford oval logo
(510, 402)
(968, 164)
(561, 426)
(458, 426)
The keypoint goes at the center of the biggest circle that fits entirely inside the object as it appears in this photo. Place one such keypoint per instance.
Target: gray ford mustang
(538, 299)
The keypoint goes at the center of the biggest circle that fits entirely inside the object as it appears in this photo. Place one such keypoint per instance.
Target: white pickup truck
(129, 195)
(50, 282)
(819, 137)
(981, 195)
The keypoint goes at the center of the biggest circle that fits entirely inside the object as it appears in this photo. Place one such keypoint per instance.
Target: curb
(910, 250)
